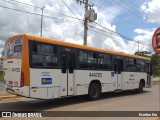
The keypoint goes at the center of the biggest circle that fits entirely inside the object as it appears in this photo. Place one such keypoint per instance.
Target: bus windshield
(13, 49)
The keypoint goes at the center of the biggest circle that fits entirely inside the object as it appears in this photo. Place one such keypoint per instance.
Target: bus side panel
(23, 91)
(140, 76)
(83, 79)
(45, 83)
(130, 80)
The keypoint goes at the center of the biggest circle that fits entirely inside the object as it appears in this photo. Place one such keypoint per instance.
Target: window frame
(128, 69)
(18, 46)
(111, 61)
(31, 42)
(86, 60)
(93, 62)
(139, 67)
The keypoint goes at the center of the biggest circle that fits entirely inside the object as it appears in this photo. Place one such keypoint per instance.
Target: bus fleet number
(95, 74)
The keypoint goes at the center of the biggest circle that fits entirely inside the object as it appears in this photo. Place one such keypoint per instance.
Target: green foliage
(1, 78)
(155, 65)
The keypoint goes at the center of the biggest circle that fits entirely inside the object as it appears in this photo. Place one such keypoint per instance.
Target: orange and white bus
(44, 68)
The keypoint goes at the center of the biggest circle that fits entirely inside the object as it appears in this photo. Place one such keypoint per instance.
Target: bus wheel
(140, 89)
(94, 91)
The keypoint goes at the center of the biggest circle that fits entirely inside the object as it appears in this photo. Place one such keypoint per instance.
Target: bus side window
(140, 65)
(44, 55)
(92, 60)
(104, 61)
(83, 59)
(34, 48)
(131, 64)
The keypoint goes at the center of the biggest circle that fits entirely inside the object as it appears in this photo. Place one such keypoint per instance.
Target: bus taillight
(22, 80)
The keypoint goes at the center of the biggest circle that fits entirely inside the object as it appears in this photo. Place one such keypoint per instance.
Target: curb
(6, 97)
(156, 82)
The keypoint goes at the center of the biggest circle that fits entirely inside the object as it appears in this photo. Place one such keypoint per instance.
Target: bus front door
(68, 65)
(118, 68)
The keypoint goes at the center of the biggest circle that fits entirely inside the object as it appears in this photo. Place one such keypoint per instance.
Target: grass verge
(1, 78)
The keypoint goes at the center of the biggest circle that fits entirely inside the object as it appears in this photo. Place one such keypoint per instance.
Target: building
(1, 64)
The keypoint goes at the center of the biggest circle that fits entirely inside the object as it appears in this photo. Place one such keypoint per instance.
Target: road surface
(149, 100)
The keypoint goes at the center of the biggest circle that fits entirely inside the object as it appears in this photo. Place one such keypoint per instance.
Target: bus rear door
(118, 68)
(148, 68)
(68, 65)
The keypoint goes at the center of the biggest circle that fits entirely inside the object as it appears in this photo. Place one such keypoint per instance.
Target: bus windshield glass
(13, 49)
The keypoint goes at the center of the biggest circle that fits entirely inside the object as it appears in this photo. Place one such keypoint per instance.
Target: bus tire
(94, 91)
(140, 89)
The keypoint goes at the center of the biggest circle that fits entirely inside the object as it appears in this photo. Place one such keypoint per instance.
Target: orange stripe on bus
(25, 61)
(52, 41)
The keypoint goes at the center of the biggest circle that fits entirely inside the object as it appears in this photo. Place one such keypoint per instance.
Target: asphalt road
(149, 100)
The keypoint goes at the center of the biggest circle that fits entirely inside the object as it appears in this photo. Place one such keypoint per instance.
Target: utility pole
(85, 24)
(41, 21)
(90, 16)
(138, 46)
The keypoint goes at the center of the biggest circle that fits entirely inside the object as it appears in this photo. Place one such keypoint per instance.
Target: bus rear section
(13, 74)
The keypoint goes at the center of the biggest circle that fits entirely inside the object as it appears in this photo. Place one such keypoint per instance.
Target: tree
(155, 64)
(143, 53)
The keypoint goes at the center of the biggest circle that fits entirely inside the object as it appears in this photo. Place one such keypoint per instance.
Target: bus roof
(58, 42)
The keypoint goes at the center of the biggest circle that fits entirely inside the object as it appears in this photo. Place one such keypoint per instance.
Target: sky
(120, 24)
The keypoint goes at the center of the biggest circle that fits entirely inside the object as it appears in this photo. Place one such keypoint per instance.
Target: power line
(102, 4)
(110, 37)
(46, 10)
(116, 34)
(113, 32)
(98, 2)
(34, 13)
(63, 15)
(108, 33)
(73, 17)
(23, 3)
(76, 9)
(94, 2)
(71, 10)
